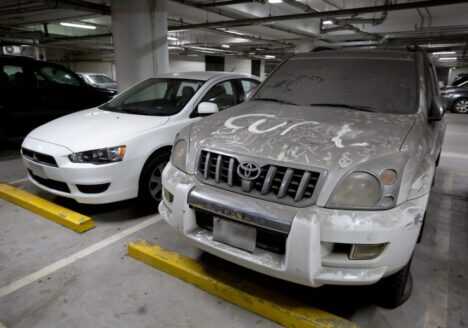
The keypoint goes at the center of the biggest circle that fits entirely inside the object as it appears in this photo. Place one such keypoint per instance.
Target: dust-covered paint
(336, 141)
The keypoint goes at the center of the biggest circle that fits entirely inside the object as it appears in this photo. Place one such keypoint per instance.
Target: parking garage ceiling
(270, 29)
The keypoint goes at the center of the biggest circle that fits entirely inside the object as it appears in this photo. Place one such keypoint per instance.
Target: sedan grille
(276, 183)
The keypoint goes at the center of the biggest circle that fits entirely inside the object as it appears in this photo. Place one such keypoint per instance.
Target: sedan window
(12, 76)
(223, 94)
(57, 75)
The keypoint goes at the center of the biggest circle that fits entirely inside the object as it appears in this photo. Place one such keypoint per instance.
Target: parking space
(51, 276)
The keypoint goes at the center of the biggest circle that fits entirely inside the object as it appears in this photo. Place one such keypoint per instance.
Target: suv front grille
(39, 157)
(276, 183)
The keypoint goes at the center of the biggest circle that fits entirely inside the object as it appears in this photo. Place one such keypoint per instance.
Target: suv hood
(95, 128)
(330, 138)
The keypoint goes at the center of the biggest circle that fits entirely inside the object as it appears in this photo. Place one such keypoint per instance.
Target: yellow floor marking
(267, 303)
(61, 215)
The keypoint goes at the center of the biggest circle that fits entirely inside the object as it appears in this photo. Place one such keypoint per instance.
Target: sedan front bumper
(314, 235)
(85, 183)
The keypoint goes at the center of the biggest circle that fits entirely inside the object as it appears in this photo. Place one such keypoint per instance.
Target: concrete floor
(90, 282)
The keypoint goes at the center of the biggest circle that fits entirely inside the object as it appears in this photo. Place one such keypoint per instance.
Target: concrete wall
(186, 63)
(238, 65)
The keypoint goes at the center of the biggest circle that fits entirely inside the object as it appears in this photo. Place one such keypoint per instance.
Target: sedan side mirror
(437, 110)
(207, 108)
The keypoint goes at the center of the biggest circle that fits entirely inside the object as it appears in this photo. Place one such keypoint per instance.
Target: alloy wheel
(462, 106)
(155, 183)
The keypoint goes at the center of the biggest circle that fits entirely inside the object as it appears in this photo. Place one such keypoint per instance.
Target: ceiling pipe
(79, 5)
(323, 14)
(75, 38)
(236, 16)
(299, 5)
(226, 3)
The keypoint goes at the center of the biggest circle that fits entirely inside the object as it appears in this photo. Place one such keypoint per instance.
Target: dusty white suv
(323, 177)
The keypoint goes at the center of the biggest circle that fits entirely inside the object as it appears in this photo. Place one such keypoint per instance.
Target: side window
(187, 89)
(223, 94)
(55, 75)
(12, 76)
(248, 86)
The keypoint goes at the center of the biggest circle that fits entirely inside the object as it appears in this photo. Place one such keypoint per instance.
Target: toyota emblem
(248, 171)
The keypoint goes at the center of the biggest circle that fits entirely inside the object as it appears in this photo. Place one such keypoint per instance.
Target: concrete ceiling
(445, 27)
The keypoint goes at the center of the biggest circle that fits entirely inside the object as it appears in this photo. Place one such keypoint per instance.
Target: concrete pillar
(139, 30)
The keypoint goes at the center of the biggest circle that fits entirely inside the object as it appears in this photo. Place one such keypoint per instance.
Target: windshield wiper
(355, 107)
(277, 100)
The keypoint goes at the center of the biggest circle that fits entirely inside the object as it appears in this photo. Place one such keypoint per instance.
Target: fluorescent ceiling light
(206, 49)
(172, 38)
(275, 1)
(270, 57)
(226, 46)
(444, 53)
(447, 58)
(233, 32)
(328, 22)
(175, 48)
(85, 26)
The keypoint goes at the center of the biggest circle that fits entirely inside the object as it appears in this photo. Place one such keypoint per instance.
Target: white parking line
(60, 264)
(456, 155)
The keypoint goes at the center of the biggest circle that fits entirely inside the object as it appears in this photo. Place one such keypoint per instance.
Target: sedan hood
(95, 128)
(326, 137)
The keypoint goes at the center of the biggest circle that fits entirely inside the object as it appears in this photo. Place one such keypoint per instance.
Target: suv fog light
(366, 252)
(168, 196)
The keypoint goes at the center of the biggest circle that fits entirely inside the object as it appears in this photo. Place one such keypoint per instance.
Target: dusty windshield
(367, 84)
(159, 97)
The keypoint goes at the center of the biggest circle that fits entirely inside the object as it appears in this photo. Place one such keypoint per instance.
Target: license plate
(234, 234)
(38, 170)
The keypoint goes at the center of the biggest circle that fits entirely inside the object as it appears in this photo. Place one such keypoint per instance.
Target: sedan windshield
(158, 97)
(363, 84)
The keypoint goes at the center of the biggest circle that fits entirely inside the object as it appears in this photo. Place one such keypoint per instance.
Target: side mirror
(437, 110)
(207, 108)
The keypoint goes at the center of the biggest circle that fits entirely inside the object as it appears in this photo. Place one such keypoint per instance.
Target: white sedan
(117, 151)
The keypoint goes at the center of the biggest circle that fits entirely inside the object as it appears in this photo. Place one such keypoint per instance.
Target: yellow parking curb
(273, 306)
(61, 215)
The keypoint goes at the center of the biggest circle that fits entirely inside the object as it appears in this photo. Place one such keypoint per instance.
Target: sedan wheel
(461, 106)
(155, 184)
(150, 185)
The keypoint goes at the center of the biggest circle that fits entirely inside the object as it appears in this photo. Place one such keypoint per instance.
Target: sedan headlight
(99, 156)
(179, 155)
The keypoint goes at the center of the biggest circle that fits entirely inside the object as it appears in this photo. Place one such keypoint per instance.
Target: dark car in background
(99, 80)
(35, 92)
(455, 96)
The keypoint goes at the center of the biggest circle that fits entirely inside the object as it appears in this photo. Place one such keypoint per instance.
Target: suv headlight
(365, 190)
(179, 155)
(99, 156)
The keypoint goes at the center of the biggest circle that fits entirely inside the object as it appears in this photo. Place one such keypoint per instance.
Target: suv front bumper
(310, 256)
